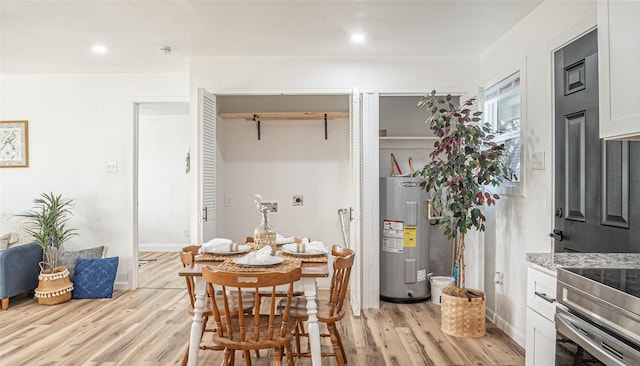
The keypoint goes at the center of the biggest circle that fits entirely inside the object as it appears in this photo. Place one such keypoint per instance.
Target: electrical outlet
(228, 200)
(186, 233)
(271, 206)
(297, 200)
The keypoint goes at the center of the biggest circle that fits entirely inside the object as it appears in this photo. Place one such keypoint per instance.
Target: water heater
(404, 240)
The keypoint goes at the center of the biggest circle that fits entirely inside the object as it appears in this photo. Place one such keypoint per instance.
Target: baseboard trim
(491, 315)
(121, 286)
(509, 330)
(158, 247)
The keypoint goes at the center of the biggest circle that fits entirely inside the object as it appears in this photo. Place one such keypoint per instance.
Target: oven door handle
(599, 344)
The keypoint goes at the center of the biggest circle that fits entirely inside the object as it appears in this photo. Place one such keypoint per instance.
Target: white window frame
(512, 188)
(506, 88)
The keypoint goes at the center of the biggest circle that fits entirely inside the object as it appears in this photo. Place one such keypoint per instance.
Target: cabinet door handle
(545, 297)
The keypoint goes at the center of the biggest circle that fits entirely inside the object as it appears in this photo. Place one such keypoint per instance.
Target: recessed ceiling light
(98, 48)
(358, 38)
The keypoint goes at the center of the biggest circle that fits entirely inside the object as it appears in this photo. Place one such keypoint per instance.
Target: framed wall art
(14, 144)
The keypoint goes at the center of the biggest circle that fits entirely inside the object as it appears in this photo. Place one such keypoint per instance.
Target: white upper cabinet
(619, 69)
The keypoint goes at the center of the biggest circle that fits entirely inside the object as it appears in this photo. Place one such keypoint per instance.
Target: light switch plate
(111, 167)
(537, 160)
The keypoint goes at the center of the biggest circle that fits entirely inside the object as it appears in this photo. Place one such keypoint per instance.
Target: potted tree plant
(48, 227)
(464, 163)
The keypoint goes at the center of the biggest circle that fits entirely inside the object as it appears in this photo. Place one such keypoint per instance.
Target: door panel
(355, 150)
(575, 163)
(208, 122)
(597, 198)
(615, 183)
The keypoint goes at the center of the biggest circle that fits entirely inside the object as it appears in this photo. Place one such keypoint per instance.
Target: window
(502, 112)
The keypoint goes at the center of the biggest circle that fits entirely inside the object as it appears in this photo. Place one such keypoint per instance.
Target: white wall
(78, 123)
(164, 186)
(304, 73)
(401, 117)
(292, 158)
(524, 221)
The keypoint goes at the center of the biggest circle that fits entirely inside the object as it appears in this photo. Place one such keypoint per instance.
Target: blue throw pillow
(94, 278)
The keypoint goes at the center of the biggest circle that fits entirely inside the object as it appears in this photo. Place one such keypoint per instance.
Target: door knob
(556, 234)
(559, 212)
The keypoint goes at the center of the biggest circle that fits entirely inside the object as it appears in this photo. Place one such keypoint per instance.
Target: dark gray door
(597, 182)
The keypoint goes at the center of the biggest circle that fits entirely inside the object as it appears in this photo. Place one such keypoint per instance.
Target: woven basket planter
(464, 316)
(54, 286)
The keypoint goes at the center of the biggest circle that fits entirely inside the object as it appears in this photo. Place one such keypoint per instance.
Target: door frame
(133, 267)
(354, 120)
(355, 212)
(370, 219)
(196, 159)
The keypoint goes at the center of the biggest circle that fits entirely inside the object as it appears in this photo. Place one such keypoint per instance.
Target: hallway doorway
(163, 187)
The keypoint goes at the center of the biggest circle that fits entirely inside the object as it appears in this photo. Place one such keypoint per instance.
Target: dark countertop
(552, 261)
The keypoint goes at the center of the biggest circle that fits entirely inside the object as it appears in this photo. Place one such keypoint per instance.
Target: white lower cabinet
(541, 340)
(541, 330)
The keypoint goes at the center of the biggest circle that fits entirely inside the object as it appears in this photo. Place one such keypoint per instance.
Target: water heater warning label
(422, 275)
(391, 245)
(392, 236)
(409, 237)
(393, 225)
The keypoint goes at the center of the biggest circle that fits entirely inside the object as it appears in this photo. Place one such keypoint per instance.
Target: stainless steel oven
(598, 317)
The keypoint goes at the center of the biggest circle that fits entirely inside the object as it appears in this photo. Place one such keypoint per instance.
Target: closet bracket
(256, 119)
(325, 126)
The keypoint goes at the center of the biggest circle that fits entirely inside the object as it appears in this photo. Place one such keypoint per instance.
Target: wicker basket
(464, 316)
(54, 286)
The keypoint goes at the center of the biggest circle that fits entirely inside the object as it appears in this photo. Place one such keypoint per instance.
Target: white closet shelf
(258, 117)
(284, 116)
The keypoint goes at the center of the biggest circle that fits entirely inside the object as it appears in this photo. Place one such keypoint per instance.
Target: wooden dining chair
(329, 312)
(187, 257)
(257, 331)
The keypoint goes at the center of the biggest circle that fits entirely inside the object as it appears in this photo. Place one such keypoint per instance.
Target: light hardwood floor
(150, 326)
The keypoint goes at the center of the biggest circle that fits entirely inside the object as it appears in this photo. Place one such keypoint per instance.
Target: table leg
(310, 292)
(196, 326)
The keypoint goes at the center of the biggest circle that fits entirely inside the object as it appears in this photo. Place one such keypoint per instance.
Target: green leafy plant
(48, 225)
(463, 163)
